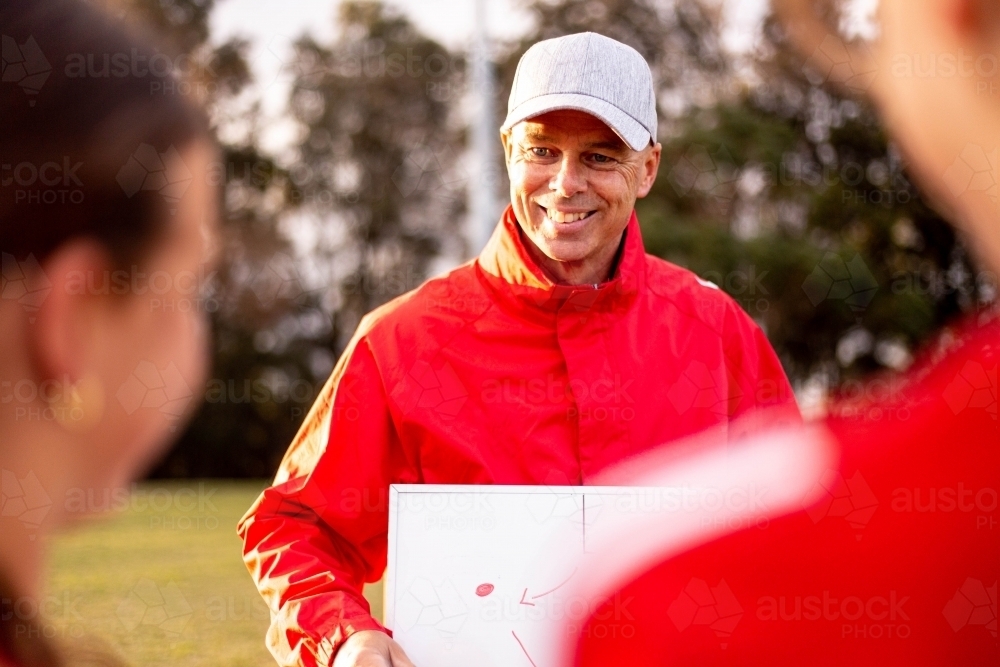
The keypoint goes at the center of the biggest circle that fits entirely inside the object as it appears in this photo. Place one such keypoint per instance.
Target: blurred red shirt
(491, 374)
(890, 556)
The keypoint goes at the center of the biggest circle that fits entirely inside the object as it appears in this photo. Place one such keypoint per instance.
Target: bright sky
(273, 25)
(449, 21)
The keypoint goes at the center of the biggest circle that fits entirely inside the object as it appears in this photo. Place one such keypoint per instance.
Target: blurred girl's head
(938, 88)
(107, 220)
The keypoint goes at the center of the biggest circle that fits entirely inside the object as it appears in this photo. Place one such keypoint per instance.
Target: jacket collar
(506, 266)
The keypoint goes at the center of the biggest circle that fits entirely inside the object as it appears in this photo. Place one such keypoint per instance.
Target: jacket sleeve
(319, 533)
(761, 396)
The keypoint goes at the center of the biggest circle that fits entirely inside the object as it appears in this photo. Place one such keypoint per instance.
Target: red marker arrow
(523, 649)
(524, 595)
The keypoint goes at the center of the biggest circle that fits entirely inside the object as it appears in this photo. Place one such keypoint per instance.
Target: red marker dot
(482, 590)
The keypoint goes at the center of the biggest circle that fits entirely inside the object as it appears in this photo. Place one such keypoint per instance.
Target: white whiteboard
(543, 553)
(478, 574)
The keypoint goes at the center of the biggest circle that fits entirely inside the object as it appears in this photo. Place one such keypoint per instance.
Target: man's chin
(559, 245)
(561, 251)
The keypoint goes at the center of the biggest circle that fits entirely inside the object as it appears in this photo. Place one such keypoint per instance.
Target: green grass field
(162, 582)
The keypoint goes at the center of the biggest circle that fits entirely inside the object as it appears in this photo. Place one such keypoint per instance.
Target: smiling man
(561, 350)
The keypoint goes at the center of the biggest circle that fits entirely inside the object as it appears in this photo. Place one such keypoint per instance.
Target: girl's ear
(66, 325)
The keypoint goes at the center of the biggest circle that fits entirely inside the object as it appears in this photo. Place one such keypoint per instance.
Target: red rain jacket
(893, 561)
(491, 374)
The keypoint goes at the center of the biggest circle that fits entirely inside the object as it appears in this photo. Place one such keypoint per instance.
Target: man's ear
(650, 167)
(67, 325)
(508, 145)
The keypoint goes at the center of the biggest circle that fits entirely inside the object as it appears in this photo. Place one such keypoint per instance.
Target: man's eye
(537, 151)
(601, 159)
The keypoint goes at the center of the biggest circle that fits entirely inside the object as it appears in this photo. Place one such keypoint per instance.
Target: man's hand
(371, 648)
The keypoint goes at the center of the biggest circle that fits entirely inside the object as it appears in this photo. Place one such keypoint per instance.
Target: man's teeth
(557, 216)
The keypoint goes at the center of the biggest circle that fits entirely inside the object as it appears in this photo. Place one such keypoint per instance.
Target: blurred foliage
(242, 422)
(774, 184)
(379, 151)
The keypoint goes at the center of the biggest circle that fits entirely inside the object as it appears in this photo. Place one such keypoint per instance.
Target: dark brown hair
(68, 147)
(66, 136)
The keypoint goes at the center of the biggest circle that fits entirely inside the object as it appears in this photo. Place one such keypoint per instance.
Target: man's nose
(570, 179)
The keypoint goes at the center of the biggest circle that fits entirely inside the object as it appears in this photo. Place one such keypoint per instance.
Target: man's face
(573, 184)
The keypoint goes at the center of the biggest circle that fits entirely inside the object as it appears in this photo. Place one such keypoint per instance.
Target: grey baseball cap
(590, 73)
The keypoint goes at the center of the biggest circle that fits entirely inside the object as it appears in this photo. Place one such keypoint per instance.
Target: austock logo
(23, 498)
(310, 504)
(423, 172)
(851, 499)
(438, 389)
(439, 607)
(150, 387)
(712, 174)
(51, 615)
(700, 388)
(851, 65)
(25, 65)
(856, 617)
(148, 604)
(569, 506)
(720, 391)
(269, 60)
(973, 604)
(974, 170)
(148, 169)
(278, 279)
(834, 279)
(713, 606)
(974, 388)
(24, 282)
(44, 182)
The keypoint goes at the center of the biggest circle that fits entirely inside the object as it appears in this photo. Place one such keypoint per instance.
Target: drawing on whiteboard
(528, 600)
(521, 644)
(477, 574)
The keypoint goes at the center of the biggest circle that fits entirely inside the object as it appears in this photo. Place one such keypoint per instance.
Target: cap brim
(629, 129)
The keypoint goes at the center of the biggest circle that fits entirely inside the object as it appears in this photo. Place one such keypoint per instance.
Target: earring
(81, 407)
